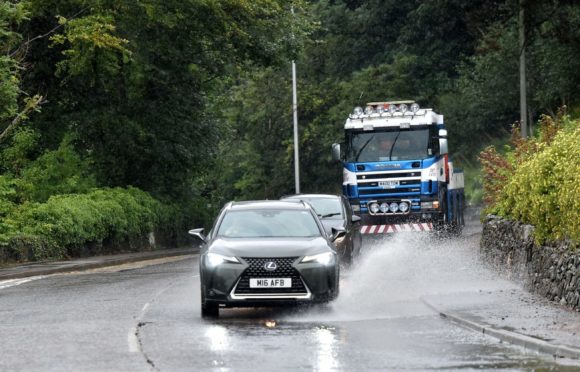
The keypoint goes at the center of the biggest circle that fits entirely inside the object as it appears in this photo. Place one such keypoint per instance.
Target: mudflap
(395, 228)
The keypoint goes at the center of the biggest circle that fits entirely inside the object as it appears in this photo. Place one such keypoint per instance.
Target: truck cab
(396, 167)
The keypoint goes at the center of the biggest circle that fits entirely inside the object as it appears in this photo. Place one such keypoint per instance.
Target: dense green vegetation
(189, 101)
(537, 181)
(458, 57)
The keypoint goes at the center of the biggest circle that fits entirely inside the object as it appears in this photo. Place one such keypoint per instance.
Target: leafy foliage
(542, 184)
(60, 227)
(56, 172)
(11, 14)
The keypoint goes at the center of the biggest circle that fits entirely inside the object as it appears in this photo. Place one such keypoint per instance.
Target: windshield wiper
(329, 215)
(362, 148)
(393, 146)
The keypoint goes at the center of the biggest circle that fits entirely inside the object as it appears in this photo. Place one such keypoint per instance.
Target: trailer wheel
(456, 224)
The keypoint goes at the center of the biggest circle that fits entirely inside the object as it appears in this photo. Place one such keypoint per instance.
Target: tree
(131, 80)
(12, 111)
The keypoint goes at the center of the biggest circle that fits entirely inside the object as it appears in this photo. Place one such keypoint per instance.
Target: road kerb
(514, 338)
(71, 266)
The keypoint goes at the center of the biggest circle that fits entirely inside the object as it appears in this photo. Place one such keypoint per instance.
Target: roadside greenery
(189, 101)
(537, 181)
(64, 224)
(114, 144)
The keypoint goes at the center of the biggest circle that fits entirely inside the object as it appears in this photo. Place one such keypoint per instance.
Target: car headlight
(325, 258)
(215, 259)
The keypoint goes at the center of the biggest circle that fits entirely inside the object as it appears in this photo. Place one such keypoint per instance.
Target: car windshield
(326, 208)
(387, 145)
(268, 223)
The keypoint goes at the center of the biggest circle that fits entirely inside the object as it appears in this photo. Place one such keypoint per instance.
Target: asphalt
(514, 316)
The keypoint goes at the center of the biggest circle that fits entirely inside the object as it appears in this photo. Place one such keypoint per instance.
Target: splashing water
(393, 274)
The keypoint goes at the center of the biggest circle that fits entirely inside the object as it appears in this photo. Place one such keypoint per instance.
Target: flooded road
(136, 319)
(378, 323)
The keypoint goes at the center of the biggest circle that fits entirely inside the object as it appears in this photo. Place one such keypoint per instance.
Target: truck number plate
(270, 282)
(388, 184)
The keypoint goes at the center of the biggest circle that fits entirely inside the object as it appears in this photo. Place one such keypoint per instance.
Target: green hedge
(65, 224)
(544, 190)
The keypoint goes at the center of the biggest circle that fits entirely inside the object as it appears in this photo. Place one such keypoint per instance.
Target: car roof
(310, 196)
(268, 204)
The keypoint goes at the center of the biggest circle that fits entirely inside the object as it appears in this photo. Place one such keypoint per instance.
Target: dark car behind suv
(335, 211)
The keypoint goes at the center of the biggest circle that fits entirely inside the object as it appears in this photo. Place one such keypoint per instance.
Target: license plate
(270, 282)
(388, 184)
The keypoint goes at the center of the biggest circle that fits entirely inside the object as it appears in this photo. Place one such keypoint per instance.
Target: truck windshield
(387, 145)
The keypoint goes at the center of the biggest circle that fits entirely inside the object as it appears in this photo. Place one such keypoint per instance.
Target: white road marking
(14, 282)
(133, 335)
(134, 346)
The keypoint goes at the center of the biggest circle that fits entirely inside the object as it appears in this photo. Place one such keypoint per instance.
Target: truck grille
(380, 192)
(284, 270)
(409, 184)
(374, 176)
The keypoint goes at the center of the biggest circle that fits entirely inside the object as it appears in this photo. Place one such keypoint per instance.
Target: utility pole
(295, 115)
(523, 95)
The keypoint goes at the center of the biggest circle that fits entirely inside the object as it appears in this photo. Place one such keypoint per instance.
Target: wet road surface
(136, 319)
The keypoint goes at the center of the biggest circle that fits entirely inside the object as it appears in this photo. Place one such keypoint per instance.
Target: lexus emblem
(270, 266)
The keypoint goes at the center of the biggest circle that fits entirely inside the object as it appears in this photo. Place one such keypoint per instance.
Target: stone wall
(550, 270)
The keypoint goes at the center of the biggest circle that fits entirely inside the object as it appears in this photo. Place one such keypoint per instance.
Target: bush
(7, 194)
(538, 180)
(544, 190)
(62, 226)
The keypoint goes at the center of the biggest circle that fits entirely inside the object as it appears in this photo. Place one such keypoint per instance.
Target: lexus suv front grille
(284, 269)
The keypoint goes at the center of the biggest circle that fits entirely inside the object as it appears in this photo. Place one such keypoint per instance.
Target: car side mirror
(337, 233)
(197, 233)
(355, 218)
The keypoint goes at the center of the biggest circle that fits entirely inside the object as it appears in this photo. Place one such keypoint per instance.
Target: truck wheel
(455, 225)
(441, 223)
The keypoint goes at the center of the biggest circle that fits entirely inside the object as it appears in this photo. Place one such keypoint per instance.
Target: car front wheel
(209, 309)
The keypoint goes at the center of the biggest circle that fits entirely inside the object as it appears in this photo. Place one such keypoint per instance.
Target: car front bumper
(227, 284)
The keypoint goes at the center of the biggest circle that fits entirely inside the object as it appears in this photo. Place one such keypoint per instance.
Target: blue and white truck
(397, 173)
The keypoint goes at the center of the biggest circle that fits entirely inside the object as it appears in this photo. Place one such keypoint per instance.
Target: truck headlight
(430, 205)
(325, 258)
(215, 259)
(403, 207)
